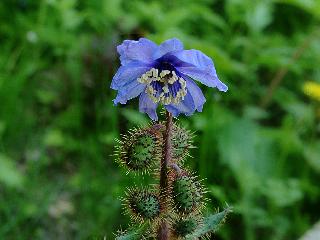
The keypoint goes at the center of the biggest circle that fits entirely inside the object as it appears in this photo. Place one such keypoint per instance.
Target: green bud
(144, 205)
(140, 149)
(187, 193)
(141, 152)
(184, 226)
(181, 142)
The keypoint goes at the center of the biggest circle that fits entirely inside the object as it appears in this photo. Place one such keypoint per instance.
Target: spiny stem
(164, 231)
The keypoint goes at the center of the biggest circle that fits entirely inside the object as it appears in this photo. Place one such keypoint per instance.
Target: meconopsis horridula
(173, 206)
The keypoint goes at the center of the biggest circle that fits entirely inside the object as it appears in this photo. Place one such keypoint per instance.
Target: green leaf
(134, 233)
(54, 138)
(2, 127)
(312, 153)
(258, 15)
(210, 224)
(283, 193)
(9, 174)
(311, 6)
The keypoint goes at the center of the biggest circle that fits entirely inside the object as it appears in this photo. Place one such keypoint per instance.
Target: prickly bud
(184, 226)
(144, 205)
(187, 193)
(181, 142)
(140, 149)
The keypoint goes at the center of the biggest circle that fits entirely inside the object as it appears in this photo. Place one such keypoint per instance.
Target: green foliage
(9, 175)
(58, 123)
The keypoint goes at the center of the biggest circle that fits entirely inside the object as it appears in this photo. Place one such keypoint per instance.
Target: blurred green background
(258, 144)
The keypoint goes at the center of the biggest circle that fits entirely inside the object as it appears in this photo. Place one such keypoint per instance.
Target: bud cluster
(141, 151)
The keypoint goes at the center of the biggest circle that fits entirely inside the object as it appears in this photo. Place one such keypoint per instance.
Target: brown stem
(164, 231)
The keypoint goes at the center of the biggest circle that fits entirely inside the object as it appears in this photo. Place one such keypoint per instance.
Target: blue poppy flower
(164, 75)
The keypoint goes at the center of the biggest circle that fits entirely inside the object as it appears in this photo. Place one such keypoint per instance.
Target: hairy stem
(164, 231)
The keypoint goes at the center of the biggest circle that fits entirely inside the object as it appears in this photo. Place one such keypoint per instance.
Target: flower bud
(144, 205)
(181, 142)
(187, 193)
(184, 226)
(140, 149)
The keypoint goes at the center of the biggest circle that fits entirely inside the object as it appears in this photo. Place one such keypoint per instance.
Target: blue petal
(186, 106)
(141, 50)
(203, 69)
(196, 94)
(129, 91)
(146, 105)
(128, 73)
(167, 46)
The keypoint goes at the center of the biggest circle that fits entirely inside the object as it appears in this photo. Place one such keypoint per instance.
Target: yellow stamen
(166, 78)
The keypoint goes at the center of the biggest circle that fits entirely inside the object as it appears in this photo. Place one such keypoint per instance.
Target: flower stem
(164, 231)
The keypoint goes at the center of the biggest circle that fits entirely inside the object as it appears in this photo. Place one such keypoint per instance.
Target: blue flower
(165, 75)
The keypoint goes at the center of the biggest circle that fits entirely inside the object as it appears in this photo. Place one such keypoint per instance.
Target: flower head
(165, 75)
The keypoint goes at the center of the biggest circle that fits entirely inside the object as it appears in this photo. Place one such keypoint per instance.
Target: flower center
(164, 87)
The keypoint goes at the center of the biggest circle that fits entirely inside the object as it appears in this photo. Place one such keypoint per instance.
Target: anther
(168, 93)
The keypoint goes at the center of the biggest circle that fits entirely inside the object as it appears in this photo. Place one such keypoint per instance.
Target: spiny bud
(181, 142)
(187, 193)
(144, 204)
(140, 149)
(184, 226)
